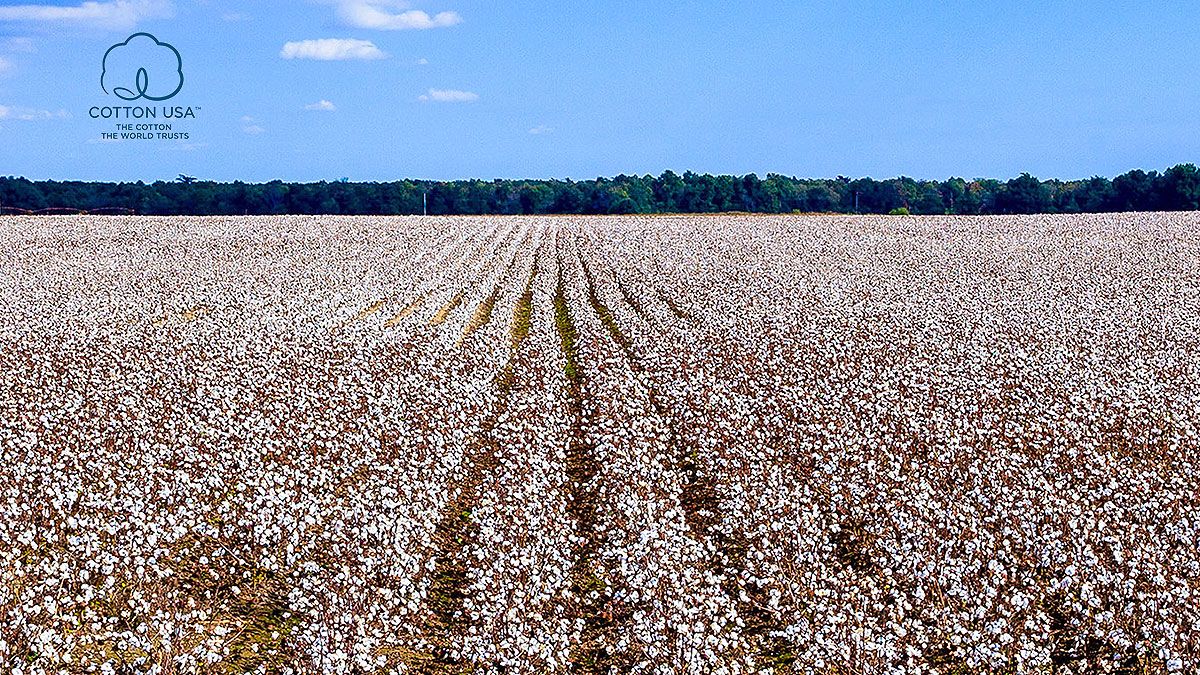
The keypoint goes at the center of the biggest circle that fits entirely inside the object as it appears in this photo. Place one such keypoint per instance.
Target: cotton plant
(711, 444)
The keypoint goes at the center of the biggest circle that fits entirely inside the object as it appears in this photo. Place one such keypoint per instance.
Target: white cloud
(375, 14)
(114, 14)
(331, 49)
(18, 45)
(234, 17)
(422, 62)
(249, 126)
(448, 96)
(30, 114)
(321, 105)
(6, 66)
(541, 130)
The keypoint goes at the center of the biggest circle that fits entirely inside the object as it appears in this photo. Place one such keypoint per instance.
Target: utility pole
(425, 203)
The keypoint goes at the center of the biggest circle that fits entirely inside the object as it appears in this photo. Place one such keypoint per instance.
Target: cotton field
(719, 444)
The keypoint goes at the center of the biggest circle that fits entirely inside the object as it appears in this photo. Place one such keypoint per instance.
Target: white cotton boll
(896, 418)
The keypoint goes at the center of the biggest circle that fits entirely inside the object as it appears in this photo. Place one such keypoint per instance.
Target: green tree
(820, 199)
(1180, 188)
(930, 200)
(1095, 195)
(1135, 191)
(21, 193)
(1023, 194)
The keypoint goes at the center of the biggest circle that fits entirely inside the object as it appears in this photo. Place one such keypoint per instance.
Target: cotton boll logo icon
(141, 67)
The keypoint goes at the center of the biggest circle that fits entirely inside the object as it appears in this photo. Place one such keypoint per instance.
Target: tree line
(1176, 189)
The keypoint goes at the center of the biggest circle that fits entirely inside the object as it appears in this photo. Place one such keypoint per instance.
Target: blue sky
(531, 88)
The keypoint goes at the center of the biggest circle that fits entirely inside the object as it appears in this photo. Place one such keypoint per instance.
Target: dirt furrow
(588, 654)
(700, 499)
(404, 313)
(483, 312)
(456, 530)
(442, 314)
(362, 314)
